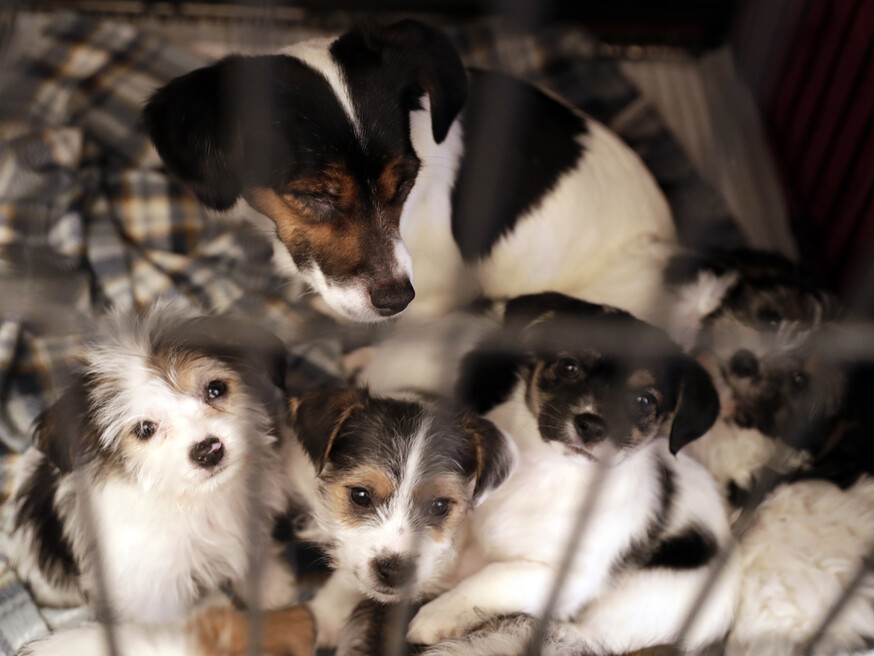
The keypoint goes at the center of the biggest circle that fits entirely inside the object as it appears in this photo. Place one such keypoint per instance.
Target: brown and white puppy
(157, 446)
(364, 151)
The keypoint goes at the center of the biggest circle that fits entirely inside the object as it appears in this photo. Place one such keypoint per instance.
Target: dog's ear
(697, 405)
(64, 432)
(493, 454)
(317, 417)
(193, 123)
(487, 376)
(439, 70)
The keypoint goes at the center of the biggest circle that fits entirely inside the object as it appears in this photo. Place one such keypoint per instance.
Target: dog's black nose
(207, 453)
(591, 428)
(744, 364)
(393, 571)
(392, 298)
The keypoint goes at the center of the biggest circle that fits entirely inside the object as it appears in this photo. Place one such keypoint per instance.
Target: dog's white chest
(168, 555)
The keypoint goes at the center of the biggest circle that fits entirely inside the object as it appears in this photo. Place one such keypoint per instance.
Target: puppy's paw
(446, 617)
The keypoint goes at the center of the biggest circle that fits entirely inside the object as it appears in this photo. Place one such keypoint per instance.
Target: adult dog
(359, 149)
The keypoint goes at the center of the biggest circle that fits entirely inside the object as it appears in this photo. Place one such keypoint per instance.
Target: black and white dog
(359, 149)
(591, 388)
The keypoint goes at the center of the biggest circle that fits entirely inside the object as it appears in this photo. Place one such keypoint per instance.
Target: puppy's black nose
(744, 364)
(208, 453)
(591, 428)
(393, 571)
(392, 298)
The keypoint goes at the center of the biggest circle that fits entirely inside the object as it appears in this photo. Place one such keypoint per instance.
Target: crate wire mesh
(490, 175)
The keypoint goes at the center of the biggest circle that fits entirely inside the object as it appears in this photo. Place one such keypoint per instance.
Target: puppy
(360, 148)
(393, 481)
(755, 321)
(150, 465)
(593, 388)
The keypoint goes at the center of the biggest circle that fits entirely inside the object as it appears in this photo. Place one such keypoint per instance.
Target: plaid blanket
(89, 220)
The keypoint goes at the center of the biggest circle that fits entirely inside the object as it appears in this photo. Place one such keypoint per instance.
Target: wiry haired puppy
(154, 458)
(592, 388)
(753, 320)
(394, 479)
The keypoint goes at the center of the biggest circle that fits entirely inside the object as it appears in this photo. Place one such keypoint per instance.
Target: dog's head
(318, 139)
(600, 383)
(175, 403)
(758, 340)
(396, 478)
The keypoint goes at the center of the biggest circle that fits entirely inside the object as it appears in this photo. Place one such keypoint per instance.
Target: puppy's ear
(318, 416)
(193, 124)
(439, 70)
(493, 454)
(487, 376)
(697, 405)
(64, 432)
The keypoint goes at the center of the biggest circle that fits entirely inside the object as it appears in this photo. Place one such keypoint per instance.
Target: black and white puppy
(359, 148)
(149, 458)
(394, 481)
(591, 388)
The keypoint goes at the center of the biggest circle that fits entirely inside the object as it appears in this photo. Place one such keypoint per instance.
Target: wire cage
(92, 222)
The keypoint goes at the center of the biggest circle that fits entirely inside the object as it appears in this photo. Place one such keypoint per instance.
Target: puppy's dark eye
(799, 381)
(770, 319)
(145, 429)
(215, 389)
(360, 497)
(568, 368)
(645, 403)
(439, 507)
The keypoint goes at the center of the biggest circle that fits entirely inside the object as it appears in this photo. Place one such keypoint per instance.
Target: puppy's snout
(392, 297)
(744, 364)
(393, 571)
(208, 453)
(591, 428)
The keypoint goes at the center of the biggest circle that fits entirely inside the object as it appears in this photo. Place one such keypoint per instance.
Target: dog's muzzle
(207, 453)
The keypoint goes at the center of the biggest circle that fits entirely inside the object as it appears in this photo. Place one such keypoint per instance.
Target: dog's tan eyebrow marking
(449, 487)
(640, 379)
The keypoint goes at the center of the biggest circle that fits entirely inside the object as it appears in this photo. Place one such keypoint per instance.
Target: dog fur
(595, 388)
(361, 150)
